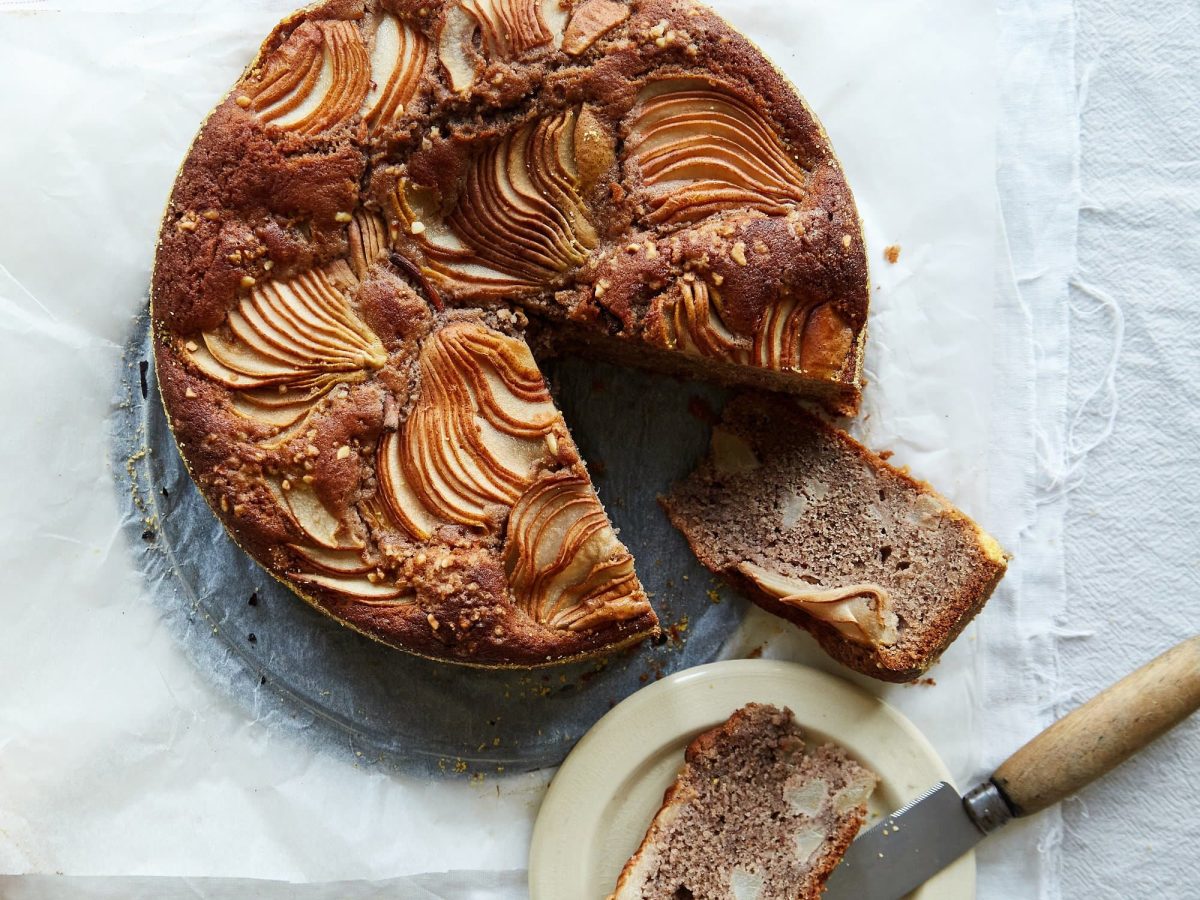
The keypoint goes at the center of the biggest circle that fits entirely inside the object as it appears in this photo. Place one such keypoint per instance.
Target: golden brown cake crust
(300, 198)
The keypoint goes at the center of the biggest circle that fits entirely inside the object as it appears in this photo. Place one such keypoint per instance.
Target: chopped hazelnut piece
(343, 452)
(739, 253)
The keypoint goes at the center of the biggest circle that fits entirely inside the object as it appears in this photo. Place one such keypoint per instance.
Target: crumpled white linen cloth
(1131, 544)
(180, 783)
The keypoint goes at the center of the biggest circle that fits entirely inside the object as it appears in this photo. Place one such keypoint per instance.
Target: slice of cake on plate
(815, 528)
(754, 815)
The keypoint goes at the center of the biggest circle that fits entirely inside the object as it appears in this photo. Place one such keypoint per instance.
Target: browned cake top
(356, 241)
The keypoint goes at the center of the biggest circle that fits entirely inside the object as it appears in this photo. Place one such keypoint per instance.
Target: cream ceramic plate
(602, 800)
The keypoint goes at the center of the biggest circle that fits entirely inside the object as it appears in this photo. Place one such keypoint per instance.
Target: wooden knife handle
(1104, 732)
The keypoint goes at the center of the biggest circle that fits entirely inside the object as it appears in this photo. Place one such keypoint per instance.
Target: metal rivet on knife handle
(1104, 732)
(987, 807)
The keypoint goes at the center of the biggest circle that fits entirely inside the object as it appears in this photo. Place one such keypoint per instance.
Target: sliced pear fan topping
(695, 325)
(362, 590)
(780, 339)
(332, 556)
(456, 37)
(590, 22)
(398, 58)
(701, 150)
(368, 242)
(310, 516)
(510, 28)
(565, 566)
(800, 337)
(400, 501)
(521, 221)
(861, 612)
(287, 344)
(507, 29)
(315, 81)
(475, 436)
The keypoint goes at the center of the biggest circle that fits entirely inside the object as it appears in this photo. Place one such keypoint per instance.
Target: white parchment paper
(117, 756)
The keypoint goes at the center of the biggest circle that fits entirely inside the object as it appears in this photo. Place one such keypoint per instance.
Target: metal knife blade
(904, 850)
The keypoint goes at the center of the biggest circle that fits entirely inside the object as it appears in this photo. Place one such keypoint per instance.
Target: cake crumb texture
(879, 567)
(755, 814)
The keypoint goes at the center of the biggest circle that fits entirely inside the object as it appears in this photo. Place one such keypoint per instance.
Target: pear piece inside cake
(755, 814)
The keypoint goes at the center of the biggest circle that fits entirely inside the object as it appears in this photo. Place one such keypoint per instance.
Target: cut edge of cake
(894, 630)
(802, 805)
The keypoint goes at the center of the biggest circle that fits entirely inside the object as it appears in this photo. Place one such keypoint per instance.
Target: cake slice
(815, 528)
(754, 815)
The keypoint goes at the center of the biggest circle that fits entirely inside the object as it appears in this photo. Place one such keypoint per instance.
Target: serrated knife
(904, 850)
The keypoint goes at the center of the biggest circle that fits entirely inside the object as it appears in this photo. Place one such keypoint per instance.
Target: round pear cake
(393, 205)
